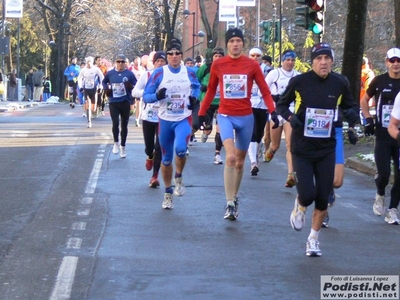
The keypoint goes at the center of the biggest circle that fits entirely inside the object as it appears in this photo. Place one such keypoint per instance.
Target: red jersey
(235, 80)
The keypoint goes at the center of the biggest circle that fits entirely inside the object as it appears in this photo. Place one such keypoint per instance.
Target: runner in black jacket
(317, 95)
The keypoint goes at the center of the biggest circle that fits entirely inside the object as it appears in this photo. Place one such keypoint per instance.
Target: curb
(364, 167)
(12, 106)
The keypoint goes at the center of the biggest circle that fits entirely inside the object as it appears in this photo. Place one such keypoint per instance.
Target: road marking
(83, 212)
(94, 176)
(74, 243)
(86, 200)
(79, 226)
(65, 278)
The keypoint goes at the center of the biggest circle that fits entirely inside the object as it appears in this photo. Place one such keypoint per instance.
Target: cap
(233, 32)
(218, 50)
(188, 59)
(394, 52)
(267, 58)
(365, 60)
(159, 55)
(120, 57)
(174, 43)
(255, 50)
(89, 59)
(320, 49)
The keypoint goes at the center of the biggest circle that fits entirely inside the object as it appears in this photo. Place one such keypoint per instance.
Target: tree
(354, 44)
(211, 32)
(397, 21)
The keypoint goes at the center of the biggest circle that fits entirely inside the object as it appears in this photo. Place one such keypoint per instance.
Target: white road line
(65, 278)
(79, 226)
(94, 176)
(86, 200)
(74, 243)
(83, 212)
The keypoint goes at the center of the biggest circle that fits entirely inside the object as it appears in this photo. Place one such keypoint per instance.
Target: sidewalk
(16, 105)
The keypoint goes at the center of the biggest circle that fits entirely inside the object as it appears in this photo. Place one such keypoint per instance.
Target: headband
(256, 51)
(287, 55)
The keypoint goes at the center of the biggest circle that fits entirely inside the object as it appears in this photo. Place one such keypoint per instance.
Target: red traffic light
(316, 5)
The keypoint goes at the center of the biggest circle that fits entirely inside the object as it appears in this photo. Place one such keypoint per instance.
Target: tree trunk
(397, 21)
(354, 44)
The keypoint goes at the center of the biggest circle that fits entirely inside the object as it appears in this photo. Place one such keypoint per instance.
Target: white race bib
(235, 86)
(386, 112)
(318, 122)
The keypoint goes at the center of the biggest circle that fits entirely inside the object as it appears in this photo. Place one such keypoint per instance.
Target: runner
(72, 73)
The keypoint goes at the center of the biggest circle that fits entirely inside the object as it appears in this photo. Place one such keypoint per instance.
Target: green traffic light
(317, 28)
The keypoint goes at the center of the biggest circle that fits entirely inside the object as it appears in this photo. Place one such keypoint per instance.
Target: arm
(211, 91)
(195, 84)
(264, 89)
(138, 90)
(150, 91)
(284, 101)
(393, 128)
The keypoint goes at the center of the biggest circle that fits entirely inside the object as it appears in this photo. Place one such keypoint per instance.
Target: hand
(295, 121)
(81, 90)
(369, 128)
(99, 90)
(194, 103)
(203, 88)
(108, 93)
(128, 85)
(351, 133)
(274, 118)
(203, 124)
(161, 94)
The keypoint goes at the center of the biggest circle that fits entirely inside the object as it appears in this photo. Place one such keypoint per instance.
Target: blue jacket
(114, 77)
(74, 69)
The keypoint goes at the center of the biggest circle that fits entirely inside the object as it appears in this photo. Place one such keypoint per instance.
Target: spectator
(29, 85)
(1, 86)
(37, 83)
(46, 89)
(13, 87)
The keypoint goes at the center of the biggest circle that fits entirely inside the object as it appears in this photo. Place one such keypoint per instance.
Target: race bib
(118, 90)
(386, 112)
(152, 115)
(235, 86)
(175, 104)
(318, 122)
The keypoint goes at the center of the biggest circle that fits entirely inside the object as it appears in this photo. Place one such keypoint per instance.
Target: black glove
(161, 93)
(99, 91)
(295, 121)
(351, 133)
(108, 93)
(274, 118)
(369, 128)
(128, 86)
(81, 90)
(194, 103)
(203, 88)
(203, 123)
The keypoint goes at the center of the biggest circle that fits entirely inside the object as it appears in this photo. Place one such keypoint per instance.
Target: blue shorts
(243, 127)
(339, 146)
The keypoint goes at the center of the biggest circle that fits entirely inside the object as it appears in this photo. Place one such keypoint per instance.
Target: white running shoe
(89, 124)
(84, 115)
(378, 205)
(204, 138)
(218, 160)
(391, 217)
(179, 186)
(297, 217)
(167, 203)
(312, 248)
(115, 149)
(122, 152)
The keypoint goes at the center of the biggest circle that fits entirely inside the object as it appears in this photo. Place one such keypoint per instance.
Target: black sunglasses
(394, 59)
(174, 52)
(120, 61)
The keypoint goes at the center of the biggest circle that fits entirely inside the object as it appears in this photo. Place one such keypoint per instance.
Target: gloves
(295, 121)
(351, 133)
(108, 93)
(369, 128)
(99, 90)
(128, 85)
(194, 103)
(274, 118)
(203, 123)
(161, 94)
(203, 88)
(81, 90)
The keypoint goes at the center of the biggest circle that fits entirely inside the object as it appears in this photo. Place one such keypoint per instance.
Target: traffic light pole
(280, 34)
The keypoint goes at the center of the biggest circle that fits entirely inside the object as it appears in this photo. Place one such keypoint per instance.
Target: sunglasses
(120, 61)
(174, 52)
(394, 59)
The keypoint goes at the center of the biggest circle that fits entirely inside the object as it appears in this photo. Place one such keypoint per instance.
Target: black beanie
(233, 32)
(174, 43)
(321, 48)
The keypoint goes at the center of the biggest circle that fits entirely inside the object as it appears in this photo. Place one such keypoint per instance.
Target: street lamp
(186, 13)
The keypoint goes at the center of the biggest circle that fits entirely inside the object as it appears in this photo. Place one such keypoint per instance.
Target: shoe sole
(293, 226)
(254, 171)
(313, 254)
(391, 223)
(230, 217)
(376, 212)
(218, 163)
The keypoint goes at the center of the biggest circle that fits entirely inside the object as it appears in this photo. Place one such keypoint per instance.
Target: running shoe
(122, 152)
(115, 149)
(204, 138)
(391, 217)
(312, 248)
(218, 160)
(187, 152)
(131, 112)
(84, 115)
(230, 212)
(290, 181)
(89, 124)
(332, 198)
(72, 105)
(154, 182)
(260, 151)
(297, 217)
(103, 113)
(254, 169)
(179, 189)
(378, 205)
(149, 164)
(167, 203)
(326, 221)
(236, 202)
(269, 155)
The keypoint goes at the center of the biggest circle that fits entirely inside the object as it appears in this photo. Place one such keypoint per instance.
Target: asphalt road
(78, 222)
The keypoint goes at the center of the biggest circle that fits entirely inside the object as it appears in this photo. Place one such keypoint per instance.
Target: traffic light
(266, 26)
(311, 15)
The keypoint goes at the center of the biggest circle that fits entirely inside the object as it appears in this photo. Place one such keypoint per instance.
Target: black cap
(267, 58)
(174, 43)
(233, 32)
(321, 48)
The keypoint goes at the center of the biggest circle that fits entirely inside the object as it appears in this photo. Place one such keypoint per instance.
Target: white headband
(255, 51)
